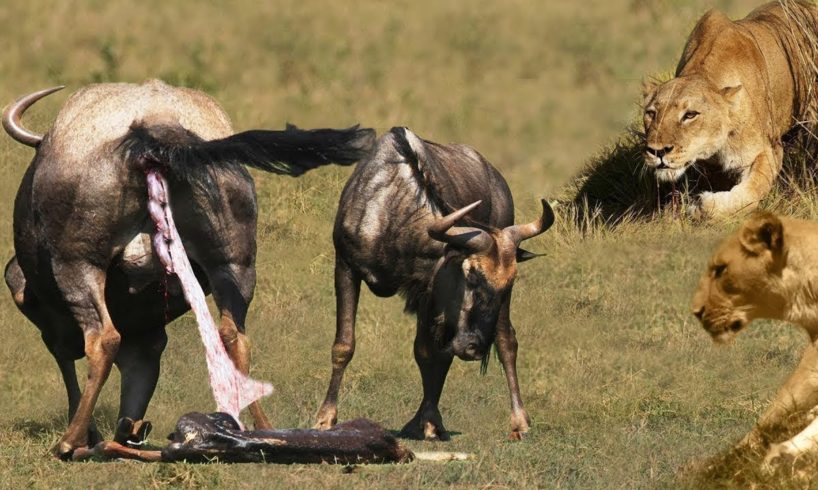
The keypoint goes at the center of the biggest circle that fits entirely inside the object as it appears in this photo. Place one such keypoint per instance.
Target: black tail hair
(289, 152)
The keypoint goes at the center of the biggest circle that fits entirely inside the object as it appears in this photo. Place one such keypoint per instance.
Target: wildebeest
(397, 230)
(84, 271)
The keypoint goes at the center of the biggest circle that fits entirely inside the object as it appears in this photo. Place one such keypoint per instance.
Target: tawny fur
(769, 269)
(739, 87)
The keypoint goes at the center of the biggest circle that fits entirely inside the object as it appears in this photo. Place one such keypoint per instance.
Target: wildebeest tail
(292, 151)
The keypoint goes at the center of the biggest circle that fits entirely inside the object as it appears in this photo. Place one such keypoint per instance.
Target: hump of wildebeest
(455, 176)
(100, 113)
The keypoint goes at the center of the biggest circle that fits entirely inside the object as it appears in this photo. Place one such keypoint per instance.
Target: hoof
(326, 419)
(424, 430)
(63, 451)
(132, 433)
(517, 435)
(520, 422)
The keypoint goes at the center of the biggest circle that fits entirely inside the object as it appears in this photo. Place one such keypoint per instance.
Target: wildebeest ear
(762, 232)
(729, 93)
(523, 255)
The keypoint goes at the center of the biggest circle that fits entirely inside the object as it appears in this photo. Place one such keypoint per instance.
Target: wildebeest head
(474, 278)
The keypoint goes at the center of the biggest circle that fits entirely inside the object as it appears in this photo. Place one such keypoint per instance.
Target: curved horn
(518, 233)
(13, 113)
(466, 237)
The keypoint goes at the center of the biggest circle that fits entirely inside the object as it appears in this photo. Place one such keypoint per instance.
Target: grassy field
(624, 387)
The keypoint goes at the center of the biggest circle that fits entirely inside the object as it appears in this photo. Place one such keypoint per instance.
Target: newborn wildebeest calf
(85, 272)
(397, 230)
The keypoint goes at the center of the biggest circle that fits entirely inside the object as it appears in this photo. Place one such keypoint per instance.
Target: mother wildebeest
(395, 230)
(85, 272)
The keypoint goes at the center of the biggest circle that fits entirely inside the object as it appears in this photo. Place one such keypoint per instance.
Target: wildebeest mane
(293, 151)
(453, 176)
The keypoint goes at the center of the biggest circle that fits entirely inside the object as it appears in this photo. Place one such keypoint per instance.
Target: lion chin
(727, 336)
(724, 338)
(668, 174)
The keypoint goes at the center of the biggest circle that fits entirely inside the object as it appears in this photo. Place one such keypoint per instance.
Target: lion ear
(648, 86)
(762, 232)
(729, 93)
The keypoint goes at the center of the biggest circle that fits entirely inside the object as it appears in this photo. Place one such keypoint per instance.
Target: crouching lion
(739, 87)
(769, 269)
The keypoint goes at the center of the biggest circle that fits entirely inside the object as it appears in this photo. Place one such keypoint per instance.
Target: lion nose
(659, 152)
(699, 312)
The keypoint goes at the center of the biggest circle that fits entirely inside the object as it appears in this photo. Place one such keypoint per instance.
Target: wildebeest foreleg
(83, 287)
(138, 361)
(434, 366)
(506, 342)
(232, 289)
(347, 293)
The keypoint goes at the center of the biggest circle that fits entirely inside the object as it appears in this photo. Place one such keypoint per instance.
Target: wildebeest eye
(689, 115)
(718, 270)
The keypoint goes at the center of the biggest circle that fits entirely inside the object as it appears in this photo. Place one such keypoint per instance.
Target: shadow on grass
(396, 433)
(104, 415)
(616, 187)
(743, 466)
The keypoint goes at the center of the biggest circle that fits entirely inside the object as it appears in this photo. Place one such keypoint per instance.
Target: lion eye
(718, 270)
(690, 115)
(650, 113)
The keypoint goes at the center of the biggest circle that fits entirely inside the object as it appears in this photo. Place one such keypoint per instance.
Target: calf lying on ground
(202, 438)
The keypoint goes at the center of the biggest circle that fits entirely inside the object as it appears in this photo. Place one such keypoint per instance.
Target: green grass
(624, 387)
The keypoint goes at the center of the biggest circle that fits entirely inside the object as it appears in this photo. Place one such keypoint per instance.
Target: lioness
(739, 87)
(769, 269)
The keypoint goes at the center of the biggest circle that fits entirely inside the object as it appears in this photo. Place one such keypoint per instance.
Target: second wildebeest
(85, 272)
(434, 223)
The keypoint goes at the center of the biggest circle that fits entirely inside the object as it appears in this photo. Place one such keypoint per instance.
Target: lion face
(686, 119)
(742, 279)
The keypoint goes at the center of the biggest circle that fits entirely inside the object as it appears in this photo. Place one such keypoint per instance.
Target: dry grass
(624, 388)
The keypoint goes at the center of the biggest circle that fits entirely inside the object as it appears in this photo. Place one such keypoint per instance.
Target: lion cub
(769, 269)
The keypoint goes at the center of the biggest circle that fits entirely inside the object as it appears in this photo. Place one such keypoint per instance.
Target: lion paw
(777, 454)
(708, 205)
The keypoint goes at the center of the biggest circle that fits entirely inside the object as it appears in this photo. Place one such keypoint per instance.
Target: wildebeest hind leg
(506, 342)
(138, 361)
(82, 286)
(72, 388)
(232, 287)
(434, 367)
(347, 292)
(48, 323)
